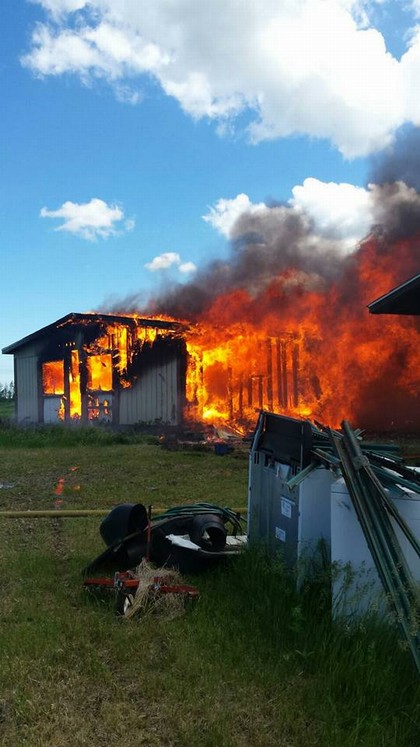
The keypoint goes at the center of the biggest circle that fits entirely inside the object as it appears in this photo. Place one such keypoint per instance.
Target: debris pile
(189, 538)
(306, 482)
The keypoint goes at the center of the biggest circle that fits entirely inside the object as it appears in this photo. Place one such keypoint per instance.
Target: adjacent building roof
(404, 299)
(92, 318)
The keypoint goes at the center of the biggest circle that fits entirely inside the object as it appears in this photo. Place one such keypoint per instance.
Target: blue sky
(133, 134)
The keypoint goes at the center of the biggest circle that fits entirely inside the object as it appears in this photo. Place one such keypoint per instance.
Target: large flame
(313, 353)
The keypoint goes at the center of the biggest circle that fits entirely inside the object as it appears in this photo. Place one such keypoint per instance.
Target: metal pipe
(76, 513)
(53, 513)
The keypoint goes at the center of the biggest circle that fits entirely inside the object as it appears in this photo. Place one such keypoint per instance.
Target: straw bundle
(147, 600)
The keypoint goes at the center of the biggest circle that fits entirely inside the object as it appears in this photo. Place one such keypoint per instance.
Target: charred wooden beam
(260, 392)
(280, 400)
(269, 375)
(241, 398)
(250, 398)
(230, 393)
(67, 372)
(295, 369)
(284, 373)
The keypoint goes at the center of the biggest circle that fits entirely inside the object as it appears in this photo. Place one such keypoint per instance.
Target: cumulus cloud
(90, 220)
(61, 7)
(163, 261)
(187, 268)
(317, 67)
(339, 211)
(226, 212)
(170, 259)
(342, 213)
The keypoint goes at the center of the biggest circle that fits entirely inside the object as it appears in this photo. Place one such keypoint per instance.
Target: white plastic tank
(356, 585)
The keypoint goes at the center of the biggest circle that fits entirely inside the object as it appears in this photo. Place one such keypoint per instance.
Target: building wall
(155, 395)
(27, 387)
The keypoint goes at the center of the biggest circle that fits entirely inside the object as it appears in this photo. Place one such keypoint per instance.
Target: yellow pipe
(75, 513)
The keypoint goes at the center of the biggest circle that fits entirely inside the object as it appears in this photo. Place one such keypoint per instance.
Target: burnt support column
(260, 392)
(250, 399)
(280, 400)
(67, 371)
(241, 398)
(269, 376)
(116, 386)
(284, 373)
(230, 393)
(83, 385)
(295, 364)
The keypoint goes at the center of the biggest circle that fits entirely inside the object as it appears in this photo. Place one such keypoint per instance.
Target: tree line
(7, 391)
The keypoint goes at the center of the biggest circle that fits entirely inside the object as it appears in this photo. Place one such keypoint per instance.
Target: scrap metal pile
(375, 474)
(318, 494)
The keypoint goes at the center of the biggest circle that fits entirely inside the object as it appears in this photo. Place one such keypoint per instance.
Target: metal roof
(92, 318)
(404, 299)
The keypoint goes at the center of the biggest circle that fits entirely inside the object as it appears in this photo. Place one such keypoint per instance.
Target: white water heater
(356, 585)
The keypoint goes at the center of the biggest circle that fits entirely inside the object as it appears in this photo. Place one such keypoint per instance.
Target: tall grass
(360, 686)
(35, 437)
(254, 662)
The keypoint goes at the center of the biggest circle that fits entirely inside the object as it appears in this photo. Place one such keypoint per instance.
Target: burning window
(53, 377)
(99, 373)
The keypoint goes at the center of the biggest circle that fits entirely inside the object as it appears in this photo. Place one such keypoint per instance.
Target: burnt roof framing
(77, 319)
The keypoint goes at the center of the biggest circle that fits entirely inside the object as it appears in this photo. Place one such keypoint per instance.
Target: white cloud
(163, 261)
(89, 220)
(225, 213)
(340, 213)
(317, 67)
(170, 259)
(61, 7)
(187, 268)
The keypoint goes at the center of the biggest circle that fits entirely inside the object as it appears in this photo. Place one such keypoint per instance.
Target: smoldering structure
(101, 368)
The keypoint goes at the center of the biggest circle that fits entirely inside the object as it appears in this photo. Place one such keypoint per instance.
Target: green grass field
(7, 409)
(251, 663)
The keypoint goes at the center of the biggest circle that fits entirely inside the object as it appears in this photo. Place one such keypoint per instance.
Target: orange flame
(53, 377)
(316, 354)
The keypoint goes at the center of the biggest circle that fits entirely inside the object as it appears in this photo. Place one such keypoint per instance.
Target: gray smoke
(264, 246)
(282, 245)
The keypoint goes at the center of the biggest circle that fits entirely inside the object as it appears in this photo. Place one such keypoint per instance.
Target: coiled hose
(195, 509)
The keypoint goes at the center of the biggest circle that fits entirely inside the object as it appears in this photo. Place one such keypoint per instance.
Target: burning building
(281, 325)
(101, 367)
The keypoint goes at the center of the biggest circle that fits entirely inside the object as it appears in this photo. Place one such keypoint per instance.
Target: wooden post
(241, 398)
(250, 391)
(295, 363)
(280, 400)
(260, 392)
(230, 393)
(67, 371)
(284, 373)
(269, 375)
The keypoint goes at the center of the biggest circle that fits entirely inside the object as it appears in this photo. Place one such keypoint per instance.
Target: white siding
(51, 409)
(27, 388)
(154, 396)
